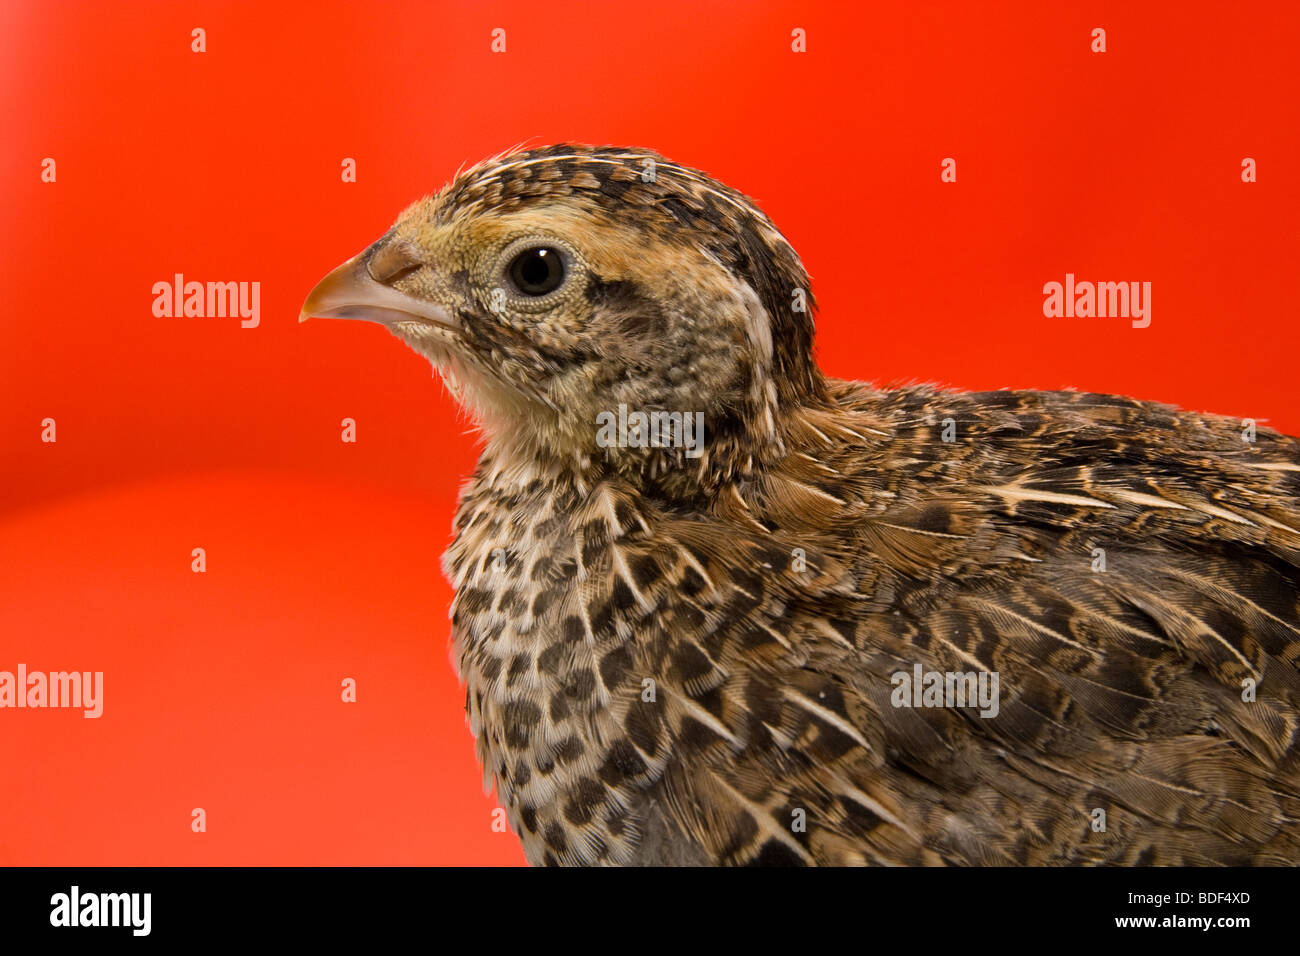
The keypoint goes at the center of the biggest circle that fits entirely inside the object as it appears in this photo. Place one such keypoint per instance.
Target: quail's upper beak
(359, 289)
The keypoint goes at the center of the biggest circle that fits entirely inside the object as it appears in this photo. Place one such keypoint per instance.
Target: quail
(767, 639)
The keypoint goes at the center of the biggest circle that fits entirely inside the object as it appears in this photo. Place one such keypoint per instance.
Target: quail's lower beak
(352, 292)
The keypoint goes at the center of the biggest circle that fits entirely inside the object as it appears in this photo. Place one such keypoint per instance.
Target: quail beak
(359, 289)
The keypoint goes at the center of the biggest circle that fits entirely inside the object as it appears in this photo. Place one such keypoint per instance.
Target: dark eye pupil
(537, 271)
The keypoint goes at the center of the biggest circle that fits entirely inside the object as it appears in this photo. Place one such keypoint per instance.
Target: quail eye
(537, 271)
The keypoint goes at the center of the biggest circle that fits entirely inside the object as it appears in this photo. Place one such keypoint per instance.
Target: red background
(222, 689)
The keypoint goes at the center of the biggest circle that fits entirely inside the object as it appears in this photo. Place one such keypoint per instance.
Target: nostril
(390, 263)
(402, 273)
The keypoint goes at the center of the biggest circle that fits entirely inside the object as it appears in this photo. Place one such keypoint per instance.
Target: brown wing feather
(1121, 689)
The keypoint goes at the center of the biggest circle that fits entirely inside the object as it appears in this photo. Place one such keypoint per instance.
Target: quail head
(714, 607)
